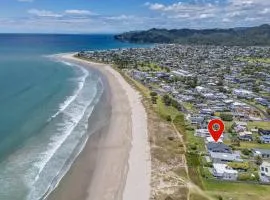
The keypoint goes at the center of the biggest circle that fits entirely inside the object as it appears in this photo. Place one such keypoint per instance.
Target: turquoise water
(44, 108)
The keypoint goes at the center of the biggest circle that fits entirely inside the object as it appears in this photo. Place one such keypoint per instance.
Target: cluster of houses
(222, 155)
(212, 79)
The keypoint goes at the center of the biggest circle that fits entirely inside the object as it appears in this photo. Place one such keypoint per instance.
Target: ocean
(45, 105)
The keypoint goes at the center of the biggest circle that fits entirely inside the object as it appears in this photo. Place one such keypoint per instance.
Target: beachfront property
(234, 92)
(218, 147)
(265, 171)
(217, 157)
(223, 171)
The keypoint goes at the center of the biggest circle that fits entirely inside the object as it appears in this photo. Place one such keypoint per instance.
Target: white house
(265, 171)
(223, 171)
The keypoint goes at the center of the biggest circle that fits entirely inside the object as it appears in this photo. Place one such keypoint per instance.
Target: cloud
(265, 11)
(206, 15)
(156, 6)
(44, 13)
(79, 12)
(214, 13)
(121, 17)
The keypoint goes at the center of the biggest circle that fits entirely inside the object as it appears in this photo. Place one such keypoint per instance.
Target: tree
(153, 94)
(246, 152)
(256, 89)
(258, 160)
(168, 118)
(154, 99)
(220, 197)
(268, 111)
(220, 82)
(167, 100)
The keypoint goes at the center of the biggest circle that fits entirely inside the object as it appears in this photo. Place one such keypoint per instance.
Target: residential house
(207, 111)
(202, 133)
(264, 153)
(244, 124)
(265, 171)
(243, 93)
(225, 172)
(263, 132)
(225, 157)
(265, 139)
(196, 119)
(245, 136)
(262, 101)
(218, 147)
(240, 127)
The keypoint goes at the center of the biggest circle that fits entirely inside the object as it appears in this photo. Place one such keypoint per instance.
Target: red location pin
(216, 133)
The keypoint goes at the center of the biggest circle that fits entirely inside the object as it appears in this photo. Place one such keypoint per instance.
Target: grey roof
(262, 151)
(218, 147)
(226, 156)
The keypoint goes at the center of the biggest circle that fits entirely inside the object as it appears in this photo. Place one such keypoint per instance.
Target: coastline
(115, 163)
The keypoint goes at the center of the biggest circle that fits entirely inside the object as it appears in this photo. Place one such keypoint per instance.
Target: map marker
(216, 133)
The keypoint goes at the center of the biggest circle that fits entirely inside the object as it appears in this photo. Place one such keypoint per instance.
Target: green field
(259, 124)
(255, 60)
(193, 140)
(236, 191)
(150, 68)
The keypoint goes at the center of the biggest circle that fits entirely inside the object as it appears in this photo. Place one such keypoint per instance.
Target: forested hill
(257, 36)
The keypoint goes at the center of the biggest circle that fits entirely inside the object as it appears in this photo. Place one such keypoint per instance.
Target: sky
(116, 16)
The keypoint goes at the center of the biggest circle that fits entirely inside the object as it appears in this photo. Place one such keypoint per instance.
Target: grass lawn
(236, 191)
(254, 60)
(227, 125)
(259, 124)
(191, 139)
(250, 145)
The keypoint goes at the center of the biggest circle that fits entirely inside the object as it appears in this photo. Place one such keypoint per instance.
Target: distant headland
(244, 36)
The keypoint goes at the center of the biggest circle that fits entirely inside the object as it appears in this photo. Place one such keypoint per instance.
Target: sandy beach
(115, 163)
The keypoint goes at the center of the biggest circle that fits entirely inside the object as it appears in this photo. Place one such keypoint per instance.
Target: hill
(249, 36)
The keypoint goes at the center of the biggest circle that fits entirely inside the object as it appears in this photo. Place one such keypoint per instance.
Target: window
(266, 169)
(262, 168)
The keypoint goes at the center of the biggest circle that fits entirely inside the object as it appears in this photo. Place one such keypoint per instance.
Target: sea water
(45, 105)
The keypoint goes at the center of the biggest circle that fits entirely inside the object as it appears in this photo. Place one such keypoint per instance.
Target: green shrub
(226, 117)
(190, 128)
(246, 152)
(153, 94)
(239, 165)
(168, 118)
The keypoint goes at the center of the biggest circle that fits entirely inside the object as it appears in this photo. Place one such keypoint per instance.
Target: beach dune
(115, 164)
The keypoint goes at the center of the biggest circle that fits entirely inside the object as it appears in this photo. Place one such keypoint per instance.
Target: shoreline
(115, 163)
